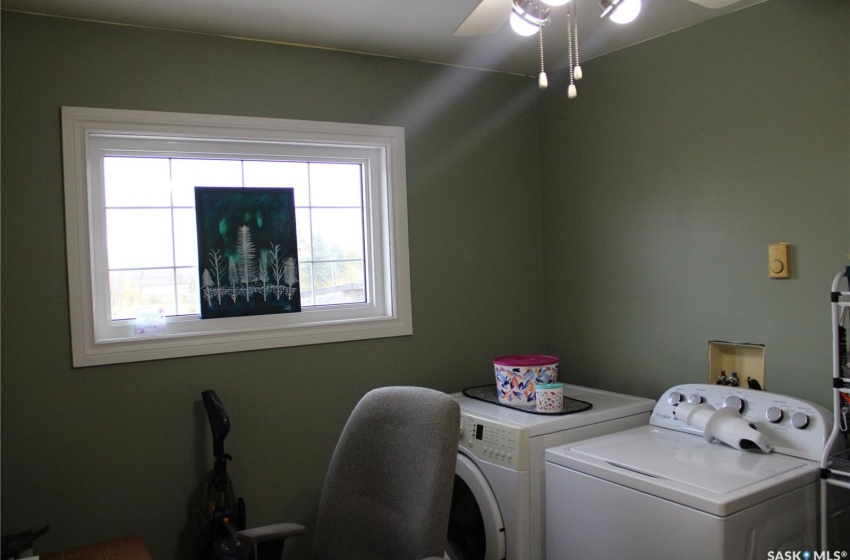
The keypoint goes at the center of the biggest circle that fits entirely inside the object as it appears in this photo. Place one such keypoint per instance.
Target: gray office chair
(388, 489)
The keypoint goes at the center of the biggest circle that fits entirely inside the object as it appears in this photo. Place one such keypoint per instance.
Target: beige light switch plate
(779, 261)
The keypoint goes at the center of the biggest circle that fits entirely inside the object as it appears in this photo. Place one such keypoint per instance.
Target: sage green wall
(108, 451)
(665, 180)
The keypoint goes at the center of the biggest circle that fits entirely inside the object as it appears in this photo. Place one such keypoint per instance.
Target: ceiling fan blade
(487, 17)
(714, 4)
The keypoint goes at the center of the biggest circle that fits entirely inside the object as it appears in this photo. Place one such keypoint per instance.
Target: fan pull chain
(542, 80)
(571, 91)
(577, 69)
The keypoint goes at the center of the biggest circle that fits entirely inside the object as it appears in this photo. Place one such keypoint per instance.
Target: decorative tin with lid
(517, 376)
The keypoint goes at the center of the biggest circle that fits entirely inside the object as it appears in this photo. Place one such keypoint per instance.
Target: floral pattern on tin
(515, 386)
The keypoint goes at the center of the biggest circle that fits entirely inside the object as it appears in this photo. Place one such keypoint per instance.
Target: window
(131, 237)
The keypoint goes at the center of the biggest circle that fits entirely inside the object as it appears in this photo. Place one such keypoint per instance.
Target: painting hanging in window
(247, 251)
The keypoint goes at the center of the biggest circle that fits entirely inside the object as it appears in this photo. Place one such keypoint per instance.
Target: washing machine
(498, 510)
(665, 490)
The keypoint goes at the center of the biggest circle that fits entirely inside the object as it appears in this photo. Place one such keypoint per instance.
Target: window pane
(186, 174)
(289, 174)
(302, 231)
(132, 289)
(337, 234)
(139, 238)
(335, 184)
(185, 237)
(305, 280)
(188, 295)
(136, 181)
(338, 282)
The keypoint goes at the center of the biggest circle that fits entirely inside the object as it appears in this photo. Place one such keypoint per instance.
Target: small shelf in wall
(739, 359)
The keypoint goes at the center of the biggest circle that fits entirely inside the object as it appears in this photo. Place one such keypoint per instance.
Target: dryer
(498, 510)
(663, 490)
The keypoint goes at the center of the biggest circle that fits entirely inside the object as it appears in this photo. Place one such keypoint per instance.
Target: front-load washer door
(476, 530)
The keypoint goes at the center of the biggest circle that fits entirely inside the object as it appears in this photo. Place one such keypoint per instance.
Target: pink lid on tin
(526, 360)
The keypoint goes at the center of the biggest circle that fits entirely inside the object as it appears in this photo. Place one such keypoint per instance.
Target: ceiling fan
(489, 15)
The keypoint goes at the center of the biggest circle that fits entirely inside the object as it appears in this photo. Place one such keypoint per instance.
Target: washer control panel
(794, 427)
(495, 443)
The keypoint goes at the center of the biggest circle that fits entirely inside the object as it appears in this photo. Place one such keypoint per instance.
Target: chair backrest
(388, 490)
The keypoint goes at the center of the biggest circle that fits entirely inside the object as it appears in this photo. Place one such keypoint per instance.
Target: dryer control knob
(462, 428)
(675, 397)
(735, 403)
(799, 420)
(774, 414)
(694, 399)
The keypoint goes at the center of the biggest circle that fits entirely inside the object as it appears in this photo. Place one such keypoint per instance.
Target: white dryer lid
(685, 469)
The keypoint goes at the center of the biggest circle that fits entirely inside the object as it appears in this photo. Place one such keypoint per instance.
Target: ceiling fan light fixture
(523, 27)
(528, 16)
(556, 2)
(620, 11)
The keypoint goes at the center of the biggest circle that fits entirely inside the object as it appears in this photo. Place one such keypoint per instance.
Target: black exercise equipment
(224, 516)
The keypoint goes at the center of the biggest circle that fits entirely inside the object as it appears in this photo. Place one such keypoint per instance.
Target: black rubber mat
(487, 393)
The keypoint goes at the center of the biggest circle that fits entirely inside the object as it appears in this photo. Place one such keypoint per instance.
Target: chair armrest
(271, 532)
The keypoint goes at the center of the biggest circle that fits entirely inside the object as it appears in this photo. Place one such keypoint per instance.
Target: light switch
(779, 261)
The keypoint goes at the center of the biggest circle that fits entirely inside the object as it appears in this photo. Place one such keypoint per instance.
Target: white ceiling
(410, 29)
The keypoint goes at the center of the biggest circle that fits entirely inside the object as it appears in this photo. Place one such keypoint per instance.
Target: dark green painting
(247, 251)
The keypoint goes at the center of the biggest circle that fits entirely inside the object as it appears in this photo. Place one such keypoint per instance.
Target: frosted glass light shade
(557, 2)
(523, 27)
(626, 11)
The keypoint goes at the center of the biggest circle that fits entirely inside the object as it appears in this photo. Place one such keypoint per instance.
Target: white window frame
(98, 340)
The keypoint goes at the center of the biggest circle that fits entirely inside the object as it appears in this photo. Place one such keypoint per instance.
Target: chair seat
(388, 489)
